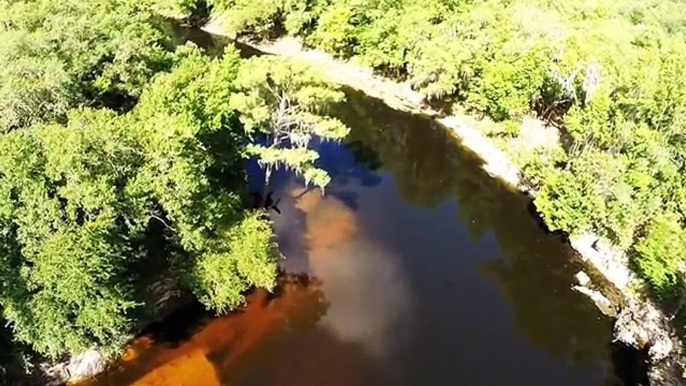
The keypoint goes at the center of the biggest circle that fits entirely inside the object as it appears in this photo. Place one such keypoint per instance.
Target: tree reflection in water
(393, 305)
(534, 269)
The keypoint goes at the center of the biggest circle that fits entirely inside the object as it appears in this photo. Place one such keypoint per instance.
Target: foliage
(286, 102)
(85, 203)
(219, 278)
(107, 136)
(256, 16)
(33, 87)
(55, 58)
(178, 8)
(263, 17)
(662, 254)
(195, 148)
(118, 153)
(68, 230)
(15, 359)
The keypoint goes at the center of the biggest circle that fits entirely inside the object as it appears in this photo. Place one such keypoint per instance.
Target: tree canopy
(60, 54)
(120, 151)
(286, 102)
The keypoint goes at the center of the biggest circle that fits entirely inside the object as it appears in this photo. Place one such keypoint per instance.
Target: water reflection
(533, 270)
(192, 348)
(430, 272)
(363, 282)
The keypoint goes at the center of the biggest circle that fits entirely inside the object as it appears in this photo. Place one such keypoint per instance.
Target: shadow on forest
(213, 45)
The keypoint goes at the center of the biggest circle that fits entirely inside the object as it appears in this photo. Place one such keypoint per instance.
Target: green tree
(661, 255)
(68, 230)
(286, 101)
(56, 58)
(194, 148)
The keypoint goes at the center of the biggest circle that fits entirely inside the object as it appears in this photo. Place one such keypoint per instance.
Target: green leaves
(32, 88)
(85, 204)
(55, 58)
(286, 102)
(219, 278)
(256, 16)
(194, 147)
(72, 251)
(662, 254)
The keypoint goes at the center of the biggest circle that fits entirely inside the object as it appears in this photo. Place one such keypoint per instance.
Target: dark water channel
(415, 268)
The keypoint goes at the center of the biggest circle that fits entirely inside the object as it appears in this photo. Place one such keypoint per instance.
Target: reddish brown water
(424, 271)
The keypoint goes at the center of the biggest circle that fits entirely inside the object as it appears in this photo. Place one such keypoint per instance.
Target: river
(414, 268)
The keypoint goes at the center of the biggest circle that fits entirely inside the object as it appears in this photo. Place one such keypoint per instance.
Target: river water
(415, 268)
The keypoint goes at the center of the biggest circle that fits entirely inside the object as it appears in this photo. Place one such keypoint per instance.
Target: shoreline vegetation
(122, 149)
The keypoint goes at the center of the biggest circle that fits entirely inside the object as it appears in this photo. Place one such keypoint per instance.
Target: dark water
(415, 268)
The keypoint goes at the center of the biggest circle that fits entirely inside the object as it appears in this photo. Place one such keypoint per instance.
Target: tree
(84, 205)
(662, 253)
(68, 232)
(286, 101)
(34, 86)
(608, 74)
(54, 58)
(193, 170)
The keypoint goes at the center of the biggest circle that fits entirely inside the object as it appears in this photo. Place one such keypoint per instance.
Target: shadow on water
(213, 45)
(186, 323)
(631, 365)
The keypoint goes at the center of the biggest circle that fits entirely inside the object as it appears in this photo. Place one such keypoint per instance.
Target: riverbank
(612, 286)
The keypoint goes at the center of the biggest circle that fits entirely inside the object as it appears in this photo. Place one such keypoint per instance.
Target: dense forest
(123, 148)
(122, 157)
(609, 75)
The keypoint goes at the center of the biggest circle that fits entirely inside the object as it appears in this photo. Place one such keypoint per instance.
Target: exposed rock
(86, 365)
(55, 375)
(612, 263)
(496, 163)
(582, 278)
(603, 303)
(164, 296)
(79, 367)
(640, 323)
